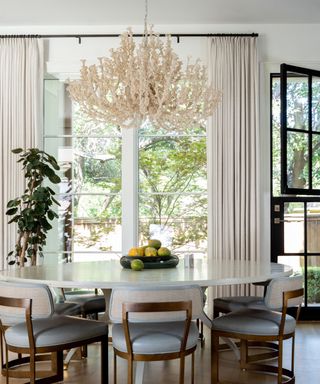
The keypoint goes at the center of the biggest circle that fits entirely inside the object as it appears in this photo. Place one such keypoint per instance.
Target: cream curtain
(21, 76)
(233, 153)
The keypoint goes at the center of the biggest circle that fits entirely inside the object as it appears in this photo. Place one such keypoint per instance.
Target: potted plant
(32, 211)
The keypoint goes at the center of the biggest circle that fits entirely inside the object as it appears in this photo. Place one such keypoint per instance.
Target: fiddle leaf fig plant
(32, 211)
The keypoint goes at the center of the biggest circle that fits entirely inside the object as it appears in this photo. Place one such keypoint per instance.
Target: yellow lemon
(133, 252)
(140, 251)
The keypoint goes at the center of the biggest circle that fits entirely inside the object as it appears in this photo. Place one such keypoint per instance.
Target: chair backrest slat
(134, 294)
(42, 301)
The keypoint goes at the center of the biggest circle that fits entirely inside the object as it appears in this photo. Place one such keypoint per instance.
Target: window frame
(287, 71)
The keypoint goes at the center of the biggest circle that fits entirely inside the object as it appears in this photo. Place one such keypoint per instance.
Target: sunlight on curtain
(21, 75)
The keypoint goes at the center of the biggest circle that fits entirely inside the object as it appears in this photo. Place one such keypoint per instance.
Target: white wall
(291, 43)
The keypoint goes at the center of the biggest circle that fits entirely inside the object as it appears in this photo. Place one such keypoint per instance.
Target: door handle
(277, 220)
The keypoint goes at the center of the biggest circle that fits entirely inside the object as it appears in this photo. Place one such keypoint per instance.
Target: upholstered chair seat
(153, 338)
(234, 303)
(56, 330)
(90, 303)
(254, 321)
(68, 309)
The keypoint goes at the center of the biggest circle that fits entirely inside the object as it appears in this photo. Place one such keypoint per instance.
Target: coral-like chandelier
(145, 84)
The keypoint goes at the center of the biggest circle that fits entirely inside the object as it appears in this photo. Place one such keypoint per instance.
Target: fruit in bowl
(150, 251)
(136, 251)
(137, 265)
(154, 243)
(163, 251)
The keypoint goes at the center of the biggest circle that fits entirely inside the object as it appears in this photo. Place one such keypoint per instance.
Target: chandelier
(145, 83)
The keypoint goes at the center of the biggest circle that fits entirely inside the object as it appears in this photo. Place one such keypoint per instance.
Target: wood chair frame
(52, 352)
(275, 341)
(170, 306)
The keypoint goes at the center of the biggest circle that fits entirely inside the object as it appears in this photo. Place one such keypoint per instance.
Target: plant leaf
(13, 203)
(55, 201)
(14, 219)
(55, 179)
(17, 150)
(11, 211)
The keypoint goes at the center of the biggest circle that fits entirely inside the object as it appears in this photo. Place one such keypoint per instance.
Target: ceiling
(131, 12)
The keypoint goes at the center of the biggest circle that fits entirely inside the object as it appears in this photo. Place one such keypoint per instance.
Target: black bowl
(151, 262)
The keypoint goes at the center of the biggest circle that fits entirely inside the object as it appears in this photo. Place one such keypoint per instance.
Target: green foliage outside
(297, 146)
(172, 182)
(172, 185)
(313, 285)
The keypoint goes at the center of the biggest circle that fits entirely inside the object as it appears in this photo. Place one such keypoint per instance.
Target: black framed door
(295, 201)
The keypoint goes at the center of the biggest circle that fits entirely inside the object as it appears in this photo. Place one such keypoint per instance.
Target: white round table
(108, 274)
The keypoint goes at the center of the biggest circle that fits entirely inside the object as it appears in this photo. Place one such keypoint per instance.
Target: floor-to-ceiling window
(109, 201)
(89, 155)
(173, 188)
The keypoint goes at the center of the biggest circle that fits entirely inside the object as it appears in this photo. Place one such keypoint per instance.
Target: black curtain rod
(79, 36)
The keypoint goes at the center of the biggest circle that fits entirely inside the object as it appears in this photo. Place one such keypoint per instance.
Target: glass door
(295, 204)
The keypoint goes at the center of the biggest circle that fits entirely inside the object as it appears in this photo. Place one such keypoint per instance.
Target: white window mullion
(129, 188)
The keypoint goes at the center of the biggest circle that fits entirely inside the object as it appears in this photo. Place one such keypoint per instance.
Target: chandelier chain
(146, 23)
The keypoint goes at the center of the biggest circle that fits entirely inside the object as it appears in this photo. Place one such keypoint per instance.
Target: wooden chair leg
(7, 364)
(243, 354)
(2, 350)
(60, 365)
(192, 368)
(130, 370)
(201, 335)
(104, 361)
(181, 375)
(84, 351)
(114, 367)
(32, 368)
(292, 353)
(214, 358)
(280, 361)
(57, 365)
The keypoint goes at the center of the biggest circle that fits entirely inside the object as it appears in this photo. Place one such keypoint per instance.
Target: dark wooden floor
(307, 365)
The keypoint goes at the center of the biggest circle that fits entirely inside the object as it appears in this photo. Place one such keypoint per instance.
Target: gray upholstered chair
(91, 303)
(234, 303)
(30, 326)
(262, 326)
(152, 324)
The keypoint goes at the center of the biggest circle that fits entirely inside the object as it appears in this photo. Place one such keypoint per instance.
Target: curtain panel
(233, 153)
(21, 76)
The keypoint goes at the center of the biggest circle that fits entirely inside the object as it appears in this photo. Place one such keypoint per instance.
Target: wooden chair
(29, 326)
(151, 324)
(265, 327)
